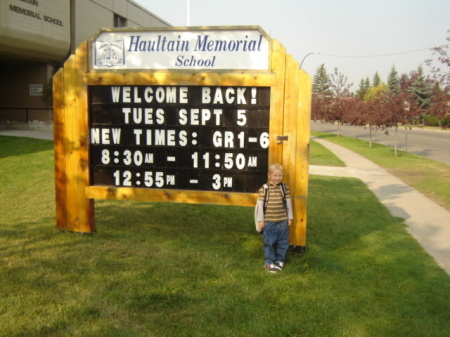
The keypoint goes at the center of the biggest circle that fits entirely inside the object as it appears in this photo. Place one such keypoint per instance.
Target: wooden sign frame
(289, 134)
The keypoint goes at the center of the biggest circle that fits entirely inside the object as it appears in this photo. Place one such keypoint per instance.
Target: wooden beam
(260, 79)
(164, 195)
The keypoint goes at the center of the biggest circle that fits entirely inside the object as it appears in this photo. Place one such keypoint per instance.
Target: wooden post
(292, 98)
(277, 102)
(290, 145)
(300, 191)
(74, 211)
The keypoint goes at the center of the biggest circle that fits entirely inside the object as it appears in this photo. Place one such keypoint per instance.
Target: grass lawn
(160, 269)
(320, 155)
(428, 176)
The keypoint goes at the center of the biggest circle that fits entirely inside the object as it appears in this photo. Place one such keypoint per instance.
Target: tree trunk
(395, 141)
(406, 138)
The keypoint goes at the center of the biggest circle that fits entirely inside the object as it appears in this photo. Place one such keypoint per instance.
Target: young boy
(275, 219)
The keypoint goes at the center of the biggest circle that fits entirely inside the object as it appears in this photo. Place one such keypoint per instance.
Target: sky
(358, 37)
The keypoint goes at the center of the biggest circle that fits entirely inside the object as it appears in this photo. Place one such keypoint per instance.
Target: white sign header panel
(181, 50)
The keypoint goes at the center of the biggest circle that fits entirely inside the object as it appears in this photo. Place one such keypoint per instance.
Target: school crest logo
(109, 54)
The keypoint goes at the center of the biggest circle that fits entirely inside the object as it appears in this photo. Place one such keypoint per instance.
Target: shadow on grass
(175, 221)
(19, 146)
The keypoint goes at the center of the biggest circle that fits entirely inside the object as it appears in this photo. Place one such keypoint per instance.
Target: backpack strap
(266, 197)
(283, 194)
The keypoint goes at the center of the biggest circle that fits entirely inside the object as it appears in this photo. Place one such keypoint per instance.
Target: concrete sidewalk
(426, 221)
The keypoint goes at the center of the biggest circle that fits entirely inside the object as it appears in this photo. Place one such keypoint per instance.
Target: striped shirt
(276, 210)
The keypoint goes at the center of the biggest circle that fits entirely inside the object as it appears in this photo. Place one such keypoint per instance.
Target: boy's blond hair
(274, 167)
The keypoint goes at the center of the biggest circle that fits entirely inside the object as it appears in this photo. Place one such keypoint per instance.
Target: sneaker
(279, 264)
(272, 268)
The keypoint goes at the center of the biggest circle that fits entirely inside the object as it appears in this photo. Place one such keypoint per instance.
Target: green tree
(393, 81)
(420, 88)
(375, 93)
(376, 80)
(364, 85)
(322, 83)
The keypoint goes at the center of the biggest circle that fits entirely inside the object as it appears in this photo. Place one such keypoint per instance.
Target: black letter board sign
(206, 138)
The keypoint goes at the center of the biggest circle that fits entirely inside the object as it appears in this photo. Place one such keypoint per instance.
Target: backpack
(266, 200)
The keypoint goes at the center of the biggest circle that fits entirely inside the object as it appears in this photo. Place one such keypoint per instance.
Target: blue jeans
(276, 241)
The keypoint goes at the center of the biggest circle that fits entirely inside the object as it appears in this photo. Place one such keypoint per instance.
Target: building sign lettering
(34, 14)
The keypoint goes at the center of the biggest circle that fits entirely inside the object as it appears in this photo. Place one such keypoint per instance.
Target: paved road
(427, 143)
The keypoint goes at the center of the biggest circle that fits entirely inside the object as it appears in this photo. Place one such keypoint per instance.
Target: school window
(119, 21)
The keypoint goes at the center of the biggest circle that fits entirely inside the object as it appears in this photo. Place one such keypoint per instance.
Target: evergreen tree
(376, 80)
(393, 81)
(322, 83)
(420, 88)
(364, 85)
(361, 91)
